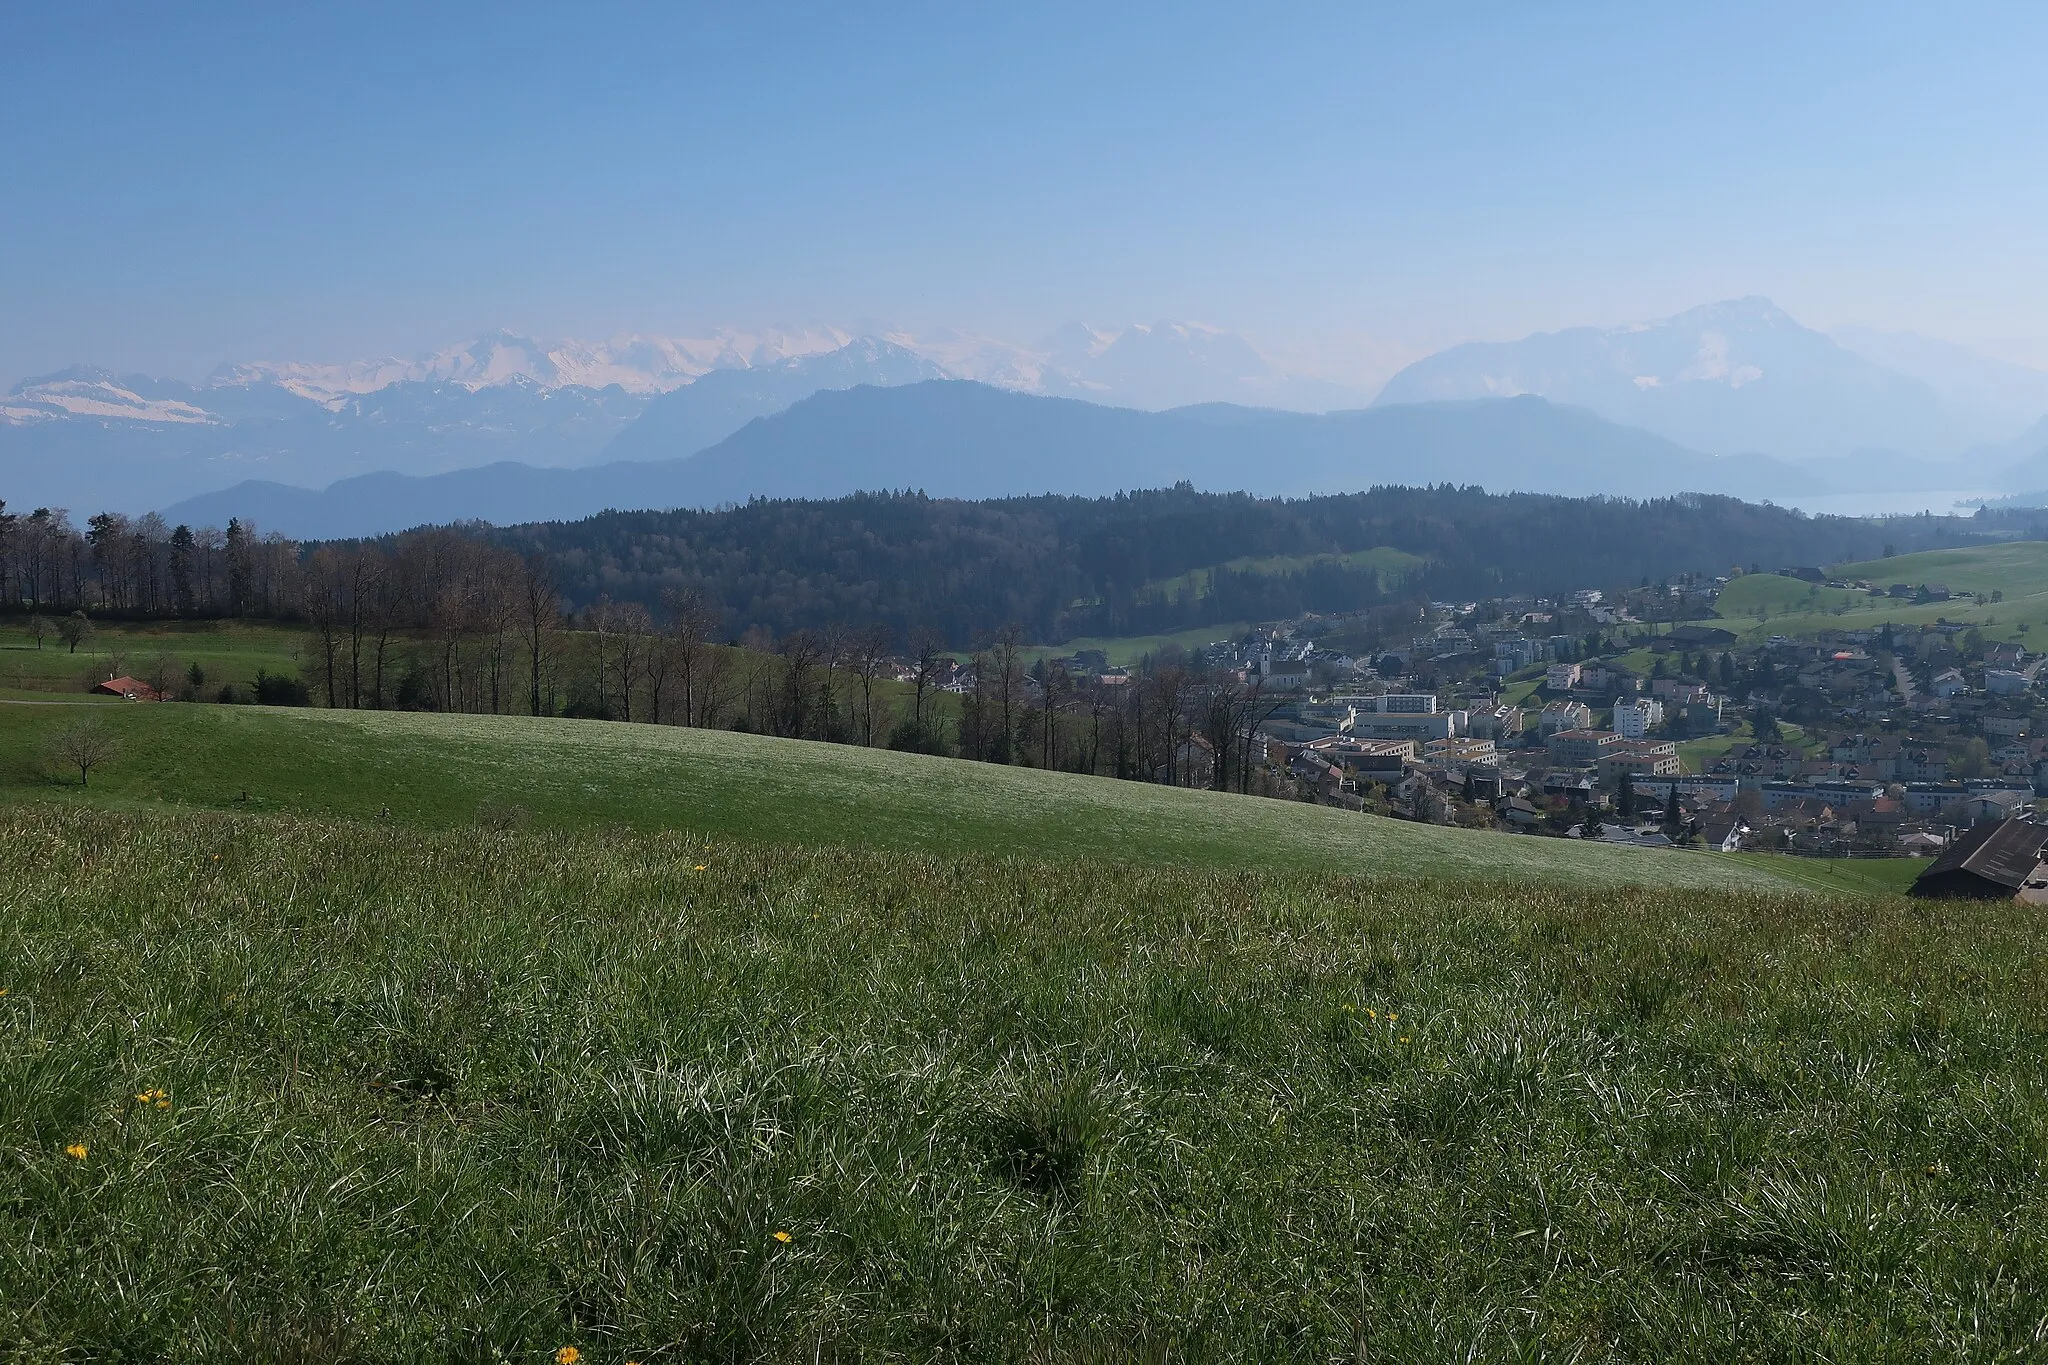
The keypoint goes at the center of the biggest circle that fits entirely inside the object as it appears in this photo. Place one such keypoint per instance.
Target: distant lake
(1941, 502)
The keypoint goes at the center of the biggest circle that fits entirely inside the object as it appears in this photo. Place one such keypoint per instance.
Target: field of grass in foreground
(274, 1088)
(439, 770)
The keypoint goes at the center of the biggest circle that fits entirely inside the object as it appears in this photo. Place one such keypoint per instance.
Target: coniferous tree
(181, 570)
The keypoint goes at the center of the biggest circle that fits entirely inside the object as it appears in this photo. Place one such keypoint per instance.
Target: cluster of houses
(1893, 740)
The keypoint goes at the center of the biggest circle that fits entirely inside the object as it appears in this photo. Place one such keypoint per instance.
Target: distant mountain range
(955, 438)
(1793, 411)
(86, 437)
(1728, 378)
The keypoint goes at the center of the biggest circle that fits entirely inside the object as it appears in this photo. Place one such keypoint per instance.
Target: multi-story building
(1562, 677)
(1582, 748)
(1629, 759)
(1563, 714)
(1515, 653)
(1422, 726)
(1688, 788)
(1498, 723)
(1402, 703)
(1634, 719)
(1460, 751)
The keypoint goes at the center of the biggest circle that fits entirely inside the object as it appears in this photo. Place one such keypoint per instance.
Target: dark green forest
(1063, 567)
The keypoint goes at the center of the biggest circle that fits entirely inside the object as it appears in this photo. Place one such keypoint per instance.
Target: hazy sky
(188, 184)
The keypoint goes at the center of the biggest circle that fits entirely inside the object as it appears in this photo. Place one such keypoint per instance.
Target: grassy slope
(2019, 569)
(229, 651)
(1840, 876)
(1126, 650)
(449, 770)
(469, 1095)
(1393, 565)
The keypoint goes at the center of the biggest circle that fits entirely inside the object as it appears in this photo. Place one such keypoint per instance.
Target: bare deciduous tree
(869, 653)
(84, 746)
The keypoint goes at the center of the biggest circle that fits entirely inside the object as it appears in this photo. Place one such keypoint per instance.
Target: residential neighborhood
(1606, 715)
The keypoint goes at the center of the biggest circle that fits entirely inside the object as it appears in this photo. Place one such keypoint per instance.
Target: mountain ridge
(1732, 377)
(961, 439)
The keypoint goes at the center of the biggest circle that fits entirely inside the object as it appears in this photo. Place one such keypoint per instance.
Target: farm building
(134, 689)
(1990, 862)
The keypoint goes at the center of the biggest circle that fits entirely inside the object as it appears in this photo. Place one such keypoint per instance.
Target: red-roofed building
(134, 689)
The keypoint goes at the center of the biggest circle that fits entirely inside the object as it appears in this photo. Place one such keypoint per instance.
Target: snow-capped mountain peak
(89, 392)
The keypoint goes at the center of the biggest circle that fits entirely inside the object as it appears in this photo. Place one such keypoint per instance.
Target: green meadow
(294, 1087)
(454, 771)
(1760, 605)
(383, 1036)
(1391, 564)
(228, 652)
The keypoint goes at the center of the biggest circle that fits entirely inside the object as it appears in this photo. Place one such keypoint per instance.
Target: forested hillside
(1063, 566)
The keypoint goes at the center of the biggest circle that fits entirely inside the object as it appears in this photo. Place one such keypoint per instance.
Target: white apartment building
(1634, 719)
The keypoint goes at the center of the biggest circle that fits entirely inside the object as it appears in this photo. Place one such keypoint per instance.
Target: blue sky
(186, 185)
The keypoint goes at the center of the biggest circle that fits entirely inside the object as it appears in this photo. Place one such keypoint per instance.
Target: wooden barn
(1991, 861)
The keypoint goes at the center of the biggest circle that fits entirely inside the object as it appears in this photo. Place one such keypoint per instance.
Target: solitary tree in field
(41, 628)
(75, 629)
(83, 746)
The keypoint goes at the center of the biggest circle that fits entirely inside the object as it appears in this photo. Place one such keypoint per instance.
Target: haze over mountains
(1734, 397)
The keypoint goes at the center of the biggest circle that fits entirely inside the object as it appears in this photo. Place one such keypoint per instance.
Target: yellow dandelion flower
(76, 1151)
(1373, 1014)
(1391, 1016)
(568, 1355)
(3, 990)
(1404, 1037)
(781, 1237)
(163, 1104)
(700, 867)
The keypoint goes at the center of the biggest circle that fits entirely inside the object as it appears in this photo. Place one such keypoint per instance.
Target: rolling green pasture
(1392, 565)
(1773, 604)
(448, 771)
(1124, 651)
(309, 1089)
(1775, 595)
(229, 651)
(2017, 568)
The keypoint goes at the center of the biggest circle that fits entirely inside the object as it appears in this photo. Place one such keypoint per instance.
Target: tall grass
(355, 1092)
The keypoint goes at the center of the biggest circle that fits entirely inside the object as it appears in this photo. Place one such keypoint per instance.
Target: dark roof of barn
(2004, 853)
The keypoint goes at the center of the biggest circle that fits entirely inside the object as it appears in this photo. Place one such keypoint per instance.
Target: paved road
(1903, 679)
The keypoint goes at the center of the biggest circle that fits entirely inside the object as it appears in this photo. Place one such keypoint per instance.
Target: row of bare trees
(1165, 722)
(447, 621)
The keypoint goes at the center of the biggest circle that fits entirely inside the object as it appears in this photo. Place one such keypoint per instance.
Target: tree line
(879, 619)
(142, 566)
(450, 620)
(1068, 566)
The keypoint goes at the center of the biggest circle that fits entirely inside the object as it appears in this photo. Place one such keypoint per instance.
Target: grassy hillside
(1392, 565)
(1126, 650)
(228, 651)
(2017, 568)
(1770, 594)
(1773, 604)
(580, 775)
(297, 1089)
